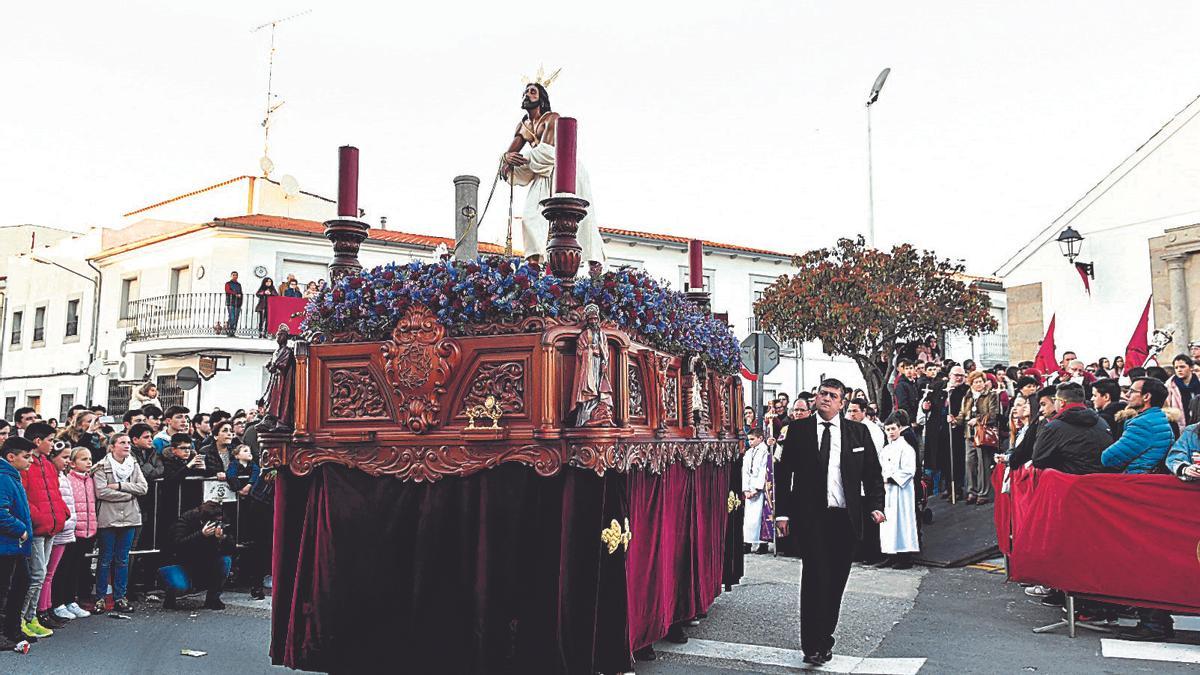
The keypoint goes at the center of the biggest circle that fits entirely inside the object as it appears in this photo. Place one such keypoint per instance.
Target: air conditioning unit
(134, 367)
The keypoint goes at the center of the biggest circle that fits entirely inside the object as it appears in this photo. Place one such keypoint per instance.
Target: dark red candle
(695, 265)
(348, 181)
(564, 169)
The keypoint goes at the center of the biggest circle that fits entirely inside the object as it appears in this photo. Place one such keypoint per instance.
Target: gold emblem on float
(489, 409)
(733, 502)
(614, 537)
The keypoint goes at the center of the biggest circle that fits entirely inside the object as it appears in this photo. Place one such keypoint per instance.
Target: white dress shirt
(835, 496)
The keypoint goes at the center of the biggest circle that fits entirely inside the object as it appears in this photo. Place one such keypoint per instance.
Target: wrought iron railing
(191, 315)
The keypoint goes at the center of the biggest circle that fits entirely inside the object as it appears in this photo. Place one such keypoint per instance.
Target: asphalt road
(922, 620)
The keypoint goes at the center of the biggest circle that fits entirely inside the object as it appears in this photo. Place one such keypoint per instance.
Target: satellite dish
(96, 368)
(291, 186)
(266, 165)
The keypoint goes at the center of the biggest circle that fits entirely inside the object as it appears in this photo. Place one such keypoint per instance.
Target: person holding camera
(198, 544)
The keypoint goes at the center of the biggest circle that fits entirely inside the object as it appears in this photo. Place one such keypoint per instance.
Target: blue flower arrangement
(495, 288)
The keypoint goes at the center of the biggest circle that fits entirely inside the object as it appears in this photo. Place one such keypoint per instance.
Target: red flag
(748, 375)
(1045, 357)
(1139, 347)
(1083, 274)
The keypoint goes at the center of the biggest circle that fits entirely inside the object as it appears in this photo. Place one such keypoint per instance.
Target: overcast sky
(735, 121)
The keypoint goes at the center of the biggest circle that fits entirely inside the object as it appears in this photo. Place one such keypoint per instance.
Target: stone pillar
(466, 213)
(1177, 279)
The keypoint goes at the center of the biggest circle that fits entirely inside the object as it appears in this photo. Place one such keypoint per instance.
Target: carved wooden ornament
(418, 361)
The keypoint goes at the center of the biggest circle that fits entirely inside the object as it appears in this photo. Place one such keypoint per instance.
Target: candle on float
(564, 148)
(347, 203)
(695, 265)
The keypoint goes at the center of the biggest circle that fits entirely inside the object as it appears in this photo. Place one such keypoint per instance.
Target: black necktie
(826, 442)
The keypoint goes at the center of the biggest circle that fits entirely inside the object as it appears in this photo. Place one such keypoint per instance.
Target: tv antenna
(265, 163)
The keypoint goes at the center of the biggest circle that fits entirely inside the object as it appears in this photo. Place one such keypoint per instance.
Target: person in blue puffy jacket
(16, 529)
(1180, 461)
(1148, 437)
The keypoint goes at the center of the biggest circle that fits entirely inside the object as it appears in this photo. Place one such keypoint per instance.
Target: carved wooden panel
(653, 456)
(503, 379)
(354, 394)
(672, 399)
(418, 361)
(425, 464)
(637, 392)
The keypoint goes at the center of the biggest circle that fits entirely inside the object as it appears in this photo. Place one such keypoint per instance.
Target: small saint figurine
(592, 391)
(281, 390)
(698, 404)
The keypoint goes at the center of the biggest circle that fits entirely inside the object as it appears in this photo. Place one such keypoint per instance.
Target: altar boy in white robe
(754, 482)
(898, 533)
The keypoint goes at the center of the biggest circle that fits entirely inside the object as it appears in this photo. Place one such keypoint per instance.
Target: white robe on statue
(898, 534)
(539, 176)
(754, 477)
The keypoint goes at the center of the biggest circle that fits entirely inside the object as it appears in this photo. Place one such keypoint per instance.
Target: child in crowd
(74, 573)
(49, 514)
(60, 456)
(242, 471)
(898, 532)
(16, 530)
(754, 481)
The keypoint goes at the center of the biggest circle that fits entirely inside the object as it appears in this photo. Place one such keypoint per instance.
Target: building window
(72, 319)
(39, 325)
(685, 276)
(65, 401)
(34, 401)
(180, 284)
(10, 406)
(17, 320)
(129, 293)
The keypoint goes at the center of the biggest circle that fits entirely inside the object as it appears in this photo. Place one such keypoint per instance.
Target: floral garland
(494, 288)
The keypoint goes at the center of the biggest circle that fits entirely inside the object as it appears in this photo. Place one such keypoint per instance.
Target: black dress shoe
(646, 653)
(676, 635)
(825, 656)
(762, 548)
(812, 659)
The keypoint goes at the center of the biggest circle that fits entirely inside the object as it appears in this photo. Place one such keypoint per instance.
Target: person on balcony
(292, 288)
(233, 302)
(265, 290)
(144, 395)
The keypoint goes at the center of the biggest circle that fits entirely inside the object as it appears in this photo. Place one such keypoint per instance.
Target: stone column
(1177, 279)
(466, 213)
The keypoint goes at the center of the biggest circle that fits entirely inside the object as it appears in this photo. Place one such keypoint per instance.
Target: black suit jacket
(800, 476)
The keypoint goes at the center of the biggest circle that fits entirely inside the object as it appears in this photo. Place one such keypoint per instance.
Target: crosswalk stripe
(1150, 651)
(791, 658)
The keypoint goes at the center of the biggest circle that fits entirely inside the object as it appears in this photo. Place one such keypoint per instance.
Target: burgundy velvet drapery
(498, 572)
(676, 560)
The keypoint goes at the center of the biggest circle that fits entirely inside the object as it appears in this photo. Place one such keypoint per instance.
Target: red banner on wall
(285, 310)
(1126, 537)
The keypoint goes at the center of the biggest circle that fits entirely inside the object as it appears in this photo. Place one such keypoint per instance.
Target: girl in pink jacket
(73, 575)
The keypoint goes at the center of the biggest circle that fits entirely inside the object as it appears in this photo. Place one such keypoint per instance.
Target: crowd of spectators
(97, 513)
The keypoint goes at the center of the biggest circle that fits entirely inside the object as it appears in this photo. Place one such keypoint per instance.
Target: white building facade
(1150, 192)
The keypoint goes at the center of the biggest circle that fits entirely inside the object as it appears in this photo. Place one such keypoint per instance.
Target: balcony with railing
(191, 315)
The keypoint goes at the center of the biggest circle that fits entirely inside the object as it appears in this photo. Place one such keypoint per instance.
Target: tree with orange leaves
(864, 303)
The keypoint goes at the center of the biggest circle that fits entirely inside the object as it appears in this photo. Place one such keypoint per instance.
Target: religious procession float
(496, 465)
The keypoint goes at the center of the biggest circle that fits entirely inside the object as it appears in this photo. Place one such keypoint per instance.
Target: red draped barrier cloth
(290, 311)
(676, 560)
(1133, 538)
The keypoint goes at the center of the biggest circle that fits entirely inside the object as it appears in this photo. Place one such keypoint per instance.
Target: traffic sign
(760, 353)
(187, 378)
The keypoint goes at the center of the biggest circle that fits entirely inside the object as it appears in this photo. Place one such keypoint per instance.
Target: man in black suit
(828, 463)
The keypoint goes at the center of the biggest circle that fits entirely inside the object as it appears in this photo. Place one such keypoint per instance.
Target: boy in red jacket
(49, 514)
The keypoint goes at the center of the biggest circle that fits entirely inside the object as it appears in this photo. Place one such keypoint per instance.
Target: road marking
(1150, 651)
(791, 658)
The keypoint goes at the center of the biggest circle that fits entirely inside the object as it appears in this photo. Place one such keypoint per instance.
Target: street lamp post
(874, 96)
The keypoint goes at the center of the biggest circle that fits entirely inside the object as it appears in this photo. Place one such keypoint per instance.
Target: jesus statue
(534, 166)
